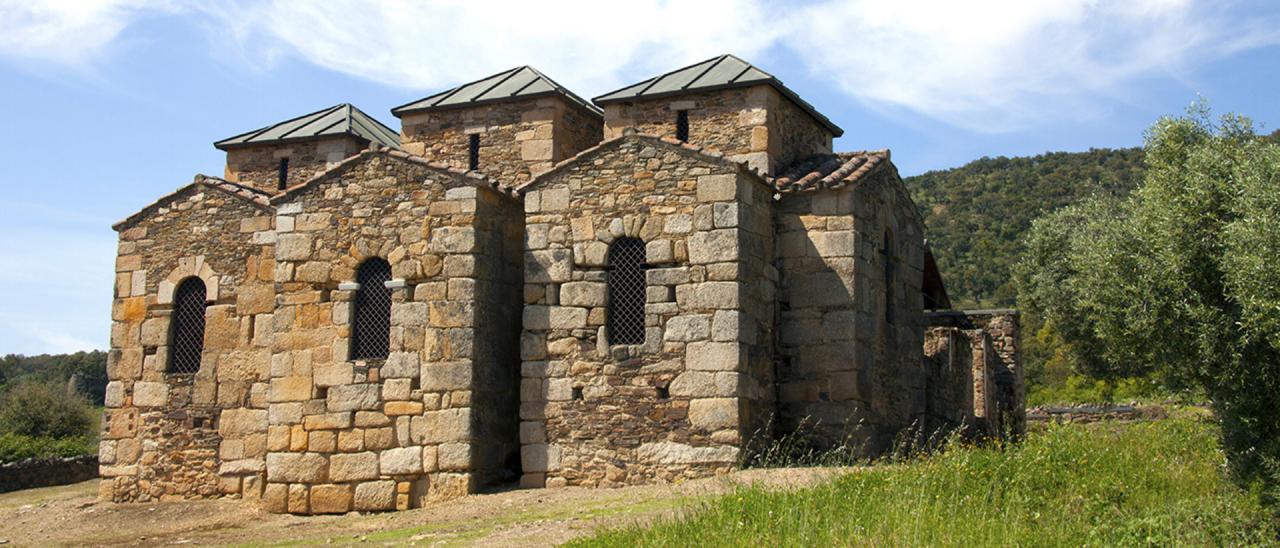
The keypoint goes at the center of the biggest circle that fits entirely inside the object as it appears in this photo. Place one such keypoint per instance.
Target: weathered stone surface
(150, 394)
(375, 495)
(678, 453)
(330, 499)
(353, 467)
(297, 467)
(405, 460)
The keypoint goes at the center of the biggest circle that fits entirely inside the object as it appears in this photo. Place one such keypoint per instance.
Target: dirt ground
(71, 515)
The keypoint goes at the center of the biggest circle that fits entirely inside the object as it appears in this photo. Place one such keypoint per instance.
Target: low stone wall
(29, 473)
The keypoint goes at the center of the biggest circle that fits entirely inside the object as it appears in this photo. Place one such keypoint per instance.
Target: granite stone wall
(259, 165)
(848, 367)
(598, 414)
(1006, 387)
(517, 138)
(389, 434)
(167, 435)
(755, 125)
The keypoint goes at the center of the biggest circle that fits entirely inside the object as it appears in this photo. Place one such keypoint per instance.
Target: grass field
(1109, 484)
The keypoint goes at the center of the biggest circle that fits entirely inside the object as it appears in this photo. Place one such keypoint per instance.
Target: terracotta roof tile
(830, 170)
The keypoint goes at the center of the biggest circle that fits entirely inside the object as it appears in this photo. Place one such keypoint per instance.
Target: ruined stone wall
(949, 379)
(845, 369)
(393, 433)
(517, 138)
(755, 125)
(677, 406)
(1007, 393)
(168, 435)
(259, 166)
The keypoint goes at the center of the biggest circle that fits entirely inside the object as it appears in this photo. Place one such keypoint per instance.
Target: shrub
(42, 410)
(17, 447)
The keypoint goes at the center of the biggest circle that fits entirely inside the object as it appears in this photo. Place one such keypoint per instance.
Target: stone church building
(525, 286)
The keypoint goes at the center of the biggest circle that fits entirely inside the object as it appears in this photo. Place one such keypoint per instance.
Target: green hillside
(975, 215)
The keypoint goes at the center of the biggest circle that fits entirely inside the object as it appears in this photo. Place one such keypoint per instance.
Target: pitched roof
(344, 119)
(523, 82)
(256, 197)
(723, 72)
(831, 170)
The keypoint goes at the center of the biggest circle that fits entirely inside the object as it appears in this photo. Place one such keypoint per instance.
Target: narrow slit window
(887, 254)
(186, 328)
(682, 125)
(626, 285)
(371, 321)
(473, 152)
(283, 183)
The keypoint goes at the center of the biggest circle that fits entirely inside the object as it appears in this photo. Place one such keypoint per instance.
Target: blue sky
(110, 104)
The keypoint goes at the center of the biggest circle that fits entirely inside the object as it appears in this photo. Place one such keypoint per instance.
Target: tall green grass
(1110, 484)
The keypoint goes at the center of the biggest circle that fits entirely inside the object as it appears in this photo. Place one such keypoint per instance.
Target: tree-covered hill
(975, 215)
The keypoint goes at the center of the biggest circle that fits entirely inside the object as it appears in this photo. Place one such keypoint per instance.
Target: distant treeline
(86, 371)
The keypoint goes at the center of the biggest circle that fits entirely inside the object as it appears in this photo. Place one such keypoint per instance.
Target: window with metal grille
(682, 125)
(284, 174)
(473, 152)
(371, 321)
(625, 320)
(186, 326)
(887, 256)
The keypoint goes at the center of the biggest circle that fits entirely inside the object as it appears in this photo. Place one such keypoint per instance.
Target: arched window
(371, 321)
(186, 326)
(625, 320)
(887, 255)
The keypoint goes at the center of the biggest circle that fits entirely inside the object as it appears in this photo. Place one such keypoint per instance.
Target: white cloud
(68, 32)
(1004, 64)
(585, 44)
(987, 65)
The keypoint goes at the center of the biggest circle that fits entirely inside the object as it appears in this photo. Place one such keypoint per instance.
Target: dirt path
(70, 515)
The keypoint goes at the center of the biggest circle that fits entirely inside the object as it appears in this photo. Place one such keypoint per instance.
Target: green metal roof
(344, 119)
(723, 72)
(518, 83)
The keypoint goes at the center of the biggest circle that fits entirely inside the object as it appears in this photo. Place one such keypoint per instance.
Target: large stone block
(150, 394)
(238, 423)
(708, 295)
(717, 188)
(688, 328)
(293, 247)
(354, 397)
(548, 265)
(714, 246)
(587, 294)
(401, 365)
(540, 457)
(448, 425)
(679, 453)
(453, 239)
(554, 317)
(353, 467)
(297, 467)
(327, 421)
(403, 461)
(375, 495)
(712, 356)
(330, 499)
(286, 389)
(713, 413)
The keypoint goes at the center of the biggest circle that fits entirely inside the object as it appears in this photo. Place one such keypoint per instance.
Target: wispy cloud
(70, 32)
(984, 65)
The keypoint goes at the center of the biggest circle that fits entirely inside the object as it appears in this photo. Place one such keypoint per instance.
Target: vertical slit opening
(682, 125)
(473, 151)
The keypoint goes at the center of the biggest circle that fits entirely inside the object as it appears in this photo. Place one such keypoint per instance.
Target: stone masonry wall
(517, 138)
(1008, 393)
(677, 406)
(393, 433)
(259, 166)
(844, 369)
(949, 379)
(755, 125)
(164, 435)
